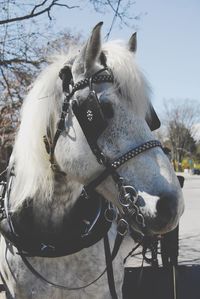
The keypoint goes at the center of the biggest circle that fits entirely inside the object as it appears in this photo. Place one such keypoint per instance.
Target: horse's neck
(51, 213)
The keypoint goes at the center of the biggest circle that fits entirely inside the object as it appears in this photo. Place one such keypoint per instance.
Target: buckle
(122, 227)
(110, 214)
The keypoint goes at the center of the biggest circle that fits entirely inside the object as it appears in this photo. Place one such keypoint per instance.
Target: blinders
(152, 119)
(90, 117)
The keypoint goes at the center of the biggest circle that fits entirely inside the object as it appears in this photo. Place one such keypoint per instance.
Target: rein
(50, 146)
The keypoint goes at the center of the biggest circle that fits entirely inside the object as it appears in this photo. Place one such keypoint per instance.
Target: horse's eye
(107, 109)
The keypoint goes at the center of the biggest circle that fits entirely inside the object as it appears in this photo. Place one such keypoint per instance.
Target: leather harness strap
(110, 275)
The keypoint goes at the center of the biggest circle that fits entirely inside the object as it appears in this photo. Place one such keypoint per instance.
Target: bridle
(93, 122)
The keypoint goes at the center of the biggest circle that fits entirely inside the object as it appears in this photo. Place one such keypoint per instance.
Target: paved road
(189, 252)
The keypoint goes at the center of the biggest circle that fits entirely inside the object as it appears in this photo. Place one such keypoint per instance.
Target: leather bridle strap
(96, 78)
(120, 161)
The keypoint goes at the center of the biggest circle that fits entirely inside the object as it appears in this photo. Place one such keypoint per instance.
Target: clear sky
(168, 43)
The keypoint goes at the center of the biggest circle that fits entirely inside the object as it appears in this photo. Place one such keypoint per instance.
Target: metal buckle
(140, 220)
(122, 227)
(2, 196)
(47, 248)
(127, 196)
(2, 193)
(110, 214)
(2, 189)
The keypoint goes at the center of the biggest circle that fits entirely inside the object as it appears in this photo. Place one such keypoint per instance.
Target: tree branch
(34, 14)
(7, 83)
(114, 18)
(5, 62)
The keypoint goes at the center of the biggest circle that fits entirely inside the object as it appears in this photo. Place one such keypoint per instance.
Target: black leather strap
(109, 265)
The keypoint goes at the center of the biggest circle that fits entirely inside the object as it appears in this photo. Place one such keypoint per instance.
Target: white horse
(45, 188)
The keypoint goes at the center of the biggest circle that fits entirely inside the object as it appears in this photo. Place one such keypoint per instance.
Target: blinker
(152, 119)
(90, 117)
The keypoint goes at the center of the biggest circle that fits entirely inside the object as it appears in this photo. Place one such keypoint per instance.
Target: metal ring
(130, 196)
(110, 214)
(122, 224)
(140, 219)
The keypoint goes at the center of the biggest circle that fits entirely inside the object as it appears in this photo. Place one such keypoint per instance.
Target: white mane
(43, 104)
(31, 161)
(133, 85)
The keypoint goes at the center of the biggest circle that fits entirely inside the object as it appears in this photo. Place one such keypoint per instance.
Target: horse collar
(85, 225)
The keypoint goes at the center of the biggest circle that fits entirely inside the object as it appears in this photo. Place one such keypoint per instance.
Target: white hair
(42, 106)
(132, 83)
(31, 161)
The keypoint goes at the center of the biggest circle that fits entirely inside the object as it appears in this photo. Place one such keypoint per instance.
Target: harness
(93, 122)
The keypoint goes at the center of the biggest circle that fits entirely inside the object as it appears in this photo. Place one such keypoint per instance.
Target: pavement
(189, 243)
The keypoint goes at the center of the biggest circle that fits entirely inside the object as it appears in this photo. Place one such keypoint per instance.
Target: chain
(127, 200)
(2, 196)
(150, 243)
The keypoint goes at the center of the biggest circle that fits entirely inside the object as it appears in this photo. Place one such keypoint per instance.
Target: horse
(84, 165)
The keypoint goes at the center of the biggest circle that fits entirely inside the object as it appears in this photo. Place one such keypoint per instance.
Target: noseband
(93, 122)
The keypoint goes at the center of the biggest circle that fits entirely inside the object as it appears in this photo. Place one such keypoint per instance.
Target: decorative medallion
(90, 115)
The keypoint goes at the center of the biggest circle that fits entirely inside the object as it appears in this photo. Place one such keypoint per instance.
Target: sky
(168, 35)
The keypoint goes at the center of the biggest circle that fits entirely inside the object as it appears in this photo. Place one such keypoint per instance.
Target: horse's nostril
(166, 207)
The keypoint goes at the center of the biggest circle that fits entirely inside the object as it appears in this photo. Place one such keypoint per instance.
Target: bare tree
(180, 117)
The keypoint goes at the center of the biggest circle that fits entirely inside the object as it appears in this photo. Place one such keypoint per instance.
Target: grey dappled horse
(46, 183)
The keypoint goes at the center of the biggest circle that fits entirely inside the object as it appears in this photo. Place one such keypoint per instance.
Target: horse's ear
(132, 44)
(93, 47)
(152, 119)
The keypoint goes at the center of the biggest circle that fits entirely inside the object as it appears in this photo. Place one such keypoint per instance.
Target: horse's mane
(133, 85)
(31, 161)
(42, 106)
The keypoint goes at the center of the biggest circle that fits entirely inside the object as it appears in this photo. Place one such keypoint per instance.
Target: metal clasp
(110, 214)
(122, 227)
(2, 196)
(128, 195)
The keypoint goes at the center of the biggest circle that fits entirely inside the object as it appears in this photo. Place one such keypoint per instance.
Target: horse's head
(127, 119)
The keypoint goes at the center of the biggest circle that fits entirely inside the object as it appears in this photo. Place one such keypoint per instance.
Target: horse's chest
(73, 271)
